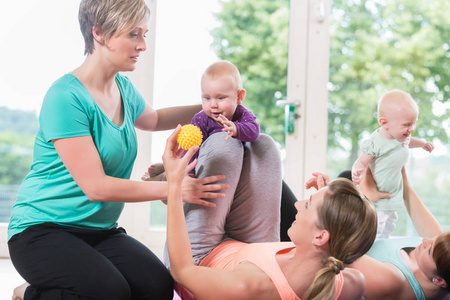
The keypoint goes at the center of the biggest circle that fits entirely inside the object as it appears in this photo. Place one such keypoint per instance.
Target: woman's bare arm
(425, 223)
(166, 118)
(383, 280)
(81, 158)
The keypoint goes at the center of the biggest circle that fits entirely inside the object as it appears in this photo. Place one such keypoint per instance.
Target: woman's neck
(430, 290)
(300, 267)
(101, 85)
(95, 74)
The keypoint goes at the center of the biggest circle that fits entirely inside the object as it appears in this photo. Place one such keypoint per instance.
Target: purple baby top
(245, 121)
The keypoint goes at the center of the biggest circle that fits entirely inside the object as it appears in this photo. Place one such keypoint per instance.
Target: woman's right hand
(369, 188)
(318, 181)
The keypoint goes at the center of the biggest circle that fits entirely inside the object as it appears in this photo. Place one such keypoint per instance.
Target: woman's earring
(312, 242)
(434, 280)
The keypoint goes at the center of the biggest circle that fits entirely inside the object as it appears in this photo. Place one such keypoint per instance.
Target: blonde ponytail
(335, 264)
(323, 287)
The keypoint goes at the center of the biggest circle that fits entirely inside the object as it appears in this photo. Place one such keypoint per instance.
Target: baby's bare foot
(160, 177)
(156, 169)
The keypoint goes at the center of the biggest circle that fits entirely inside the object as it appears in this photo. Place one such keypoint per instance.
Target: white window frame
(308, 72)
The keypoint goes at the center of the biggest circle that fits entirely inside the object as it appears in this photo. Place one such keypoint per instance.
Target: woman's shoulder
(66, 82)
(354, 284)
(385, 284)
(124, 82)
(383, 279)
(64, 91)
(128, 90)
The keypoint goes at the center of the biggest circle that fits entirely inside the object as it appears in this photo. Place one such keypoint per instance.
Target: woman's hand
(176, 168)
(318, 181)
(193, 190)
(369, 188)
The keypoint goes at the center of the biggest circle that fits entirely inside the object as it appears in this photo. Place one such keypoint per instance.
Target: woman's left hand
(176, 168)
(194, 190)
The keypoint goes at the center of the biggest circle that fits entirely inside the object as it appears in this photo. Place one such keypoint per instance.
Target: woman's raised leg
(250, 212)
(206, 225)
(254, 216)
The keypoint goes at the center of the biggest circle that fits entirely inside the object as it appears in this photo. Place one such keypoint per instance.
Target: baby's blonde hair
(220, 68)
(395, 99)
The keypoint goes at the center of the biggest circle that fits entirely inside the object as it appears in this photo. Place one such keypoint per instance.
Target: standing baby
(386, 152)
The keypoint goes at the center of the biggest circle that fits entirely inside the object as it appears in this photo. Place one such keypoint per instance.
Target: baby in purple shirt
(222, 95)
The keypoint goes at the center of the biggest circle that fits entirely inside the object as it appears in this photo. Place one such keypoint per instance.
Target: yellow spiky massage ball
(189, 135)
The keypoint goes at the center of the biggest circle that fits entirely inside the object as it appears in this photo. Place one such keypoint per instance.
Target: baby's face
(219, 97)
(402, 124)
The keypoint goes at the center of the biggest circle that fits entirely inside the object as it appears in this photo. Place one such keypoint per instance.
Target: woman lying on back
(411, 267)
(333, 228)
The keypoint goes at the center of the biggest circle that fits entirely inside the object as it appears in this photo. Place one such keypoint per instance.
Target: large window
(52, 45)
(256, 43)
(36, 47)
(374, 46)
(182, 52)
(377, 46)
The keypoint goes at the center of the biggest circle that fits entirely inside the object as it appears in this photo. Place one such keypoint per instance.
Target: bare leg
(19, 292)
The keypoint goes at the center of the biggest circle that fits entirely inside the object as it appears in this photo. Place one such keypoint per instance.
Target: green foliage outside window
(17, 131)
(254, 36)
(375, 46)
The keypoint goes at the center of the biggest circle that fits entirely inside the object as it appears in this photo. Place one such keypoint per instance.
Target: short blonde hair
(395, 98)
(224, 67)
(113, 17)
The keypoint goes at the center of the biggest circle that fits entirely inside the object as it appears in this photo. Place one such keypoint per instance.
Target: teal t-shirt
(389, 157)
(49, 193)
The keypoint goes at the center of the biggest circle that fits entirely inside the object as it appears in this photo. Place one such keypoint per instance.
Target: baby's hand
(428, 146)
(356, 176)
(228, 126)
